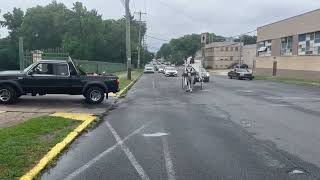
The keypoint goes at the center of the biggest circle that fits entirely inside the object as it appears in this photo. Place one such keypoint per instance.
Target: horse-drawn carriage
(192, 74)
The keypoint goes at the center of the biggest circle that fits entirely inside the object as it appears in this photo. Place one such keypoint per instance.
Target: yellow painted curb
(56, 150)
(75, 116)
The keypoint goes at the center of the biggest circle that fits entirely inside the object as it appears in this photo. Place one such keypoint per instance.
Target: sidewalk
(219, 72)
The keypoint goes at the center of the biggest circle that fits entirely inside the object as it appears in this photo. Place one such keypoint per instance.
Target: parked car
(161, 69)
(148, 69)
(170, 71)
(55, 77)
(242, 66)
(240, 74)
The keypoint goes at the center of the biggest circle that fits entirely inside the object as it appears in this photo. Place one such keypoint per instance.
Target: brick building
(290, 47)
(221, 55)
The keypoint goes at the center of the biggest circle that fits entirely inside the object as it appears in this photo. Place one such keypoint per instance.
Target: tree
(44, 26)
(247, 39)
(81, 32)
(9, 46)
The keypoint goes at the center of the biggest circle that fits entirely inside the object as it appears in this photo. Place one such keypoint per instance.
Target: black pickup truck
(55, 77)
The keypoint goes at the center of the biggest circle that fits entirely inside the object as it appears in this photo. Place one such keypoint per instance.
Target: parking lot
(29, 107)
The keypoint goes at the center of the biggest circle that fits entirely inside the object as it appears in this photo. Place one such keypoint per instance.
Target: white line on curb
(104, 153)
(129, 154)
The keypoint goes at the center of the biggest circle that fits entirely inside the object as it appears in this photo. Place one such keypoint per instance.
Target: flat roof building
(221, 55)
(290, 47)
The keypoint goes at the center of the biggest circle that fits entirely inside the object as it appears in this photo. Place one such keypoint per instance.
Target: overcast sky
(168, 19)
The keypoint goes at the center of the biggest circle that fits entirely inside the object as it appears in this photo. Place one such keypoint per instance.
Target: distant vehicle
(55, 77)
(240, 74)
(242, 66)
(170, 71)
(148, 69)
(204, 74)
(161, 69)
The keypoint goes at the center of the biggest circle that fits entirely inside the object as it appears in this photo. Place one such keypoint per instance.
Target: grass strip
(23, 145)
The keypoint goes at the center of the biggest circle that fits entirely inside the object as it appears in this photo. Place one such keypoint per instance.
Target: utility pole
(128, 39)
(139, 44)
(21, 54)
(240, 51)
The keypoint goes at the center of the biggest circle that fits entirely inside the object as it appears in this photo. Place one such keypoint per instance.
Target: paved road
(230, 130)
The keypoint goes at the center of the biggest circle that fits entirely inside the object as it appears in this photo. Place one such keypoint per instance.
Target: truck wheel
(94, 95)
(7, 95)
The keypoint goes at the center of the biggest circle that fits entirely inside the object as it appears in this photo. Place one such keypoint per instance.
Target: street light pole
(21, 54)
(128, 39)
(240, 52)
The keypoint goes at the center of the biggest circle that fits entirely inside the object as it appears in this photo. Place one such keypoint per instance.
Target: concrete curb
(58, 148)
(126, 89)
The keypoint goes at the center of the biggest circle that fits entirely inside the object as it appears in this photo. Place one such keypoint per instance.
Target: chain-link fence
(45, 54)
(100, 67)
(60, 54)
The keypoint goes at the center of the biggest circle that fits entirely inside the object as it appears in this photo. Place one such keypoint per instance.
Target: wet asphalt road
(229, 130)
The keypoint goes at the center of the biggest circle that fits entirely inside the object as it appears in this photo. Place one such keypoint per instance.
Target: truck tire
(94, 95)
(8, 95)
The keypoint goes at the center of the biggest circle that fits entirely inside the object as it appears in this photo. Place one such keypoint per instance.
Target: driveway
(29, 107)
(229, 130)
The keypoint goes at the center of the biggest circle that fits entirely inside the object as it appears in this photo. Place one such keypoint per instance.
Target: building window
(226, 66)
(226, 59)
(236, 49)
(264, 48)
(317, 37)
(302, 37)
(309, 43)
(227, 49)
(221, 49)
(221, 59)
(231, 58)
(286, 46)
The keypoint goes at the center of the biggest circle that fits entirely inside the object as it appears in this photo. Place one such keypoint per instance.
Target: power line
(160, 39)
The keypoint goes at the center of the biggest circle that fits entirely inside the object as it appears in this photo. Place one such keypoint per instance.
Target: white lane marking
(159, 134)
(245, 91)
(280, 105)
(291, 98)
(129, 154)
(169, 165)
(296, 171)
(104, 153)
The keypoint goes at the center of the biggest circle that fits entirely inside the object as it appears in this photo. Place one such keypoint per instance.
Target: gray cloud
(168, 19)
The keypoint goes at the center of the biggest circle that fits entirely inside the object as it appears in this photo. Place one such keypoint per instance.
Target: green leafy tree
(9, 46)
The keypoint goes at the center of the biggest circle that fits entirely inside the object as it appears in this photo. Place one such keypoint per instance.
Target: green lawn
(123, 77)
(289, 80)
(23, 145)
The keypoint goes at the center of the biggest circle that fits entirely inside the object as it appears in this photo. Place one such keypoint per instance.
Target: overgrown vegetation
(81, 32)
(23, 145)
